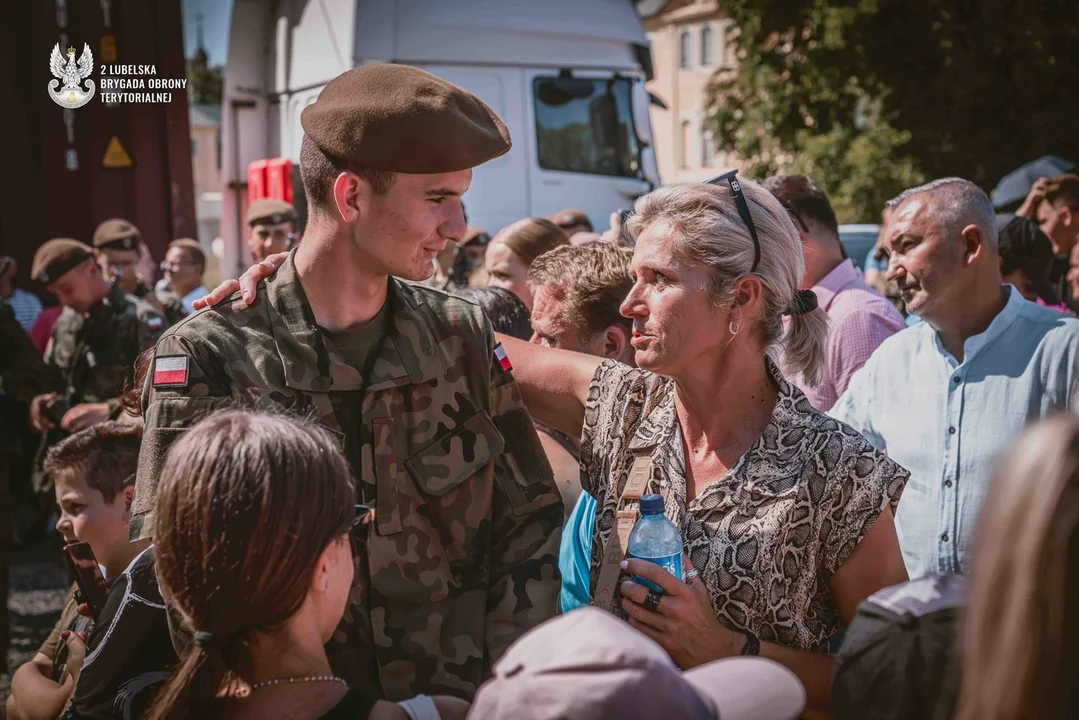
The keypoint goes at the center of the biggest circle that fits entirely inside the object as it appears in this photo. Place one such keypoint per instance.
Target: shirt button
(947, 483)
(944, 537)
(951, 430)
(957, 379)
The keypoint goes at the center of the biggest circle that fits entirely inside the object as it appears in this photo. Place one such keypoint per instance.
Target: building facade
(691, 41)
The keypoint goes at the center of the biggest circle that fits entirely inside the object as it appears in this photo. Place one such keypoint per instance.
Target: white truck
(566, 76)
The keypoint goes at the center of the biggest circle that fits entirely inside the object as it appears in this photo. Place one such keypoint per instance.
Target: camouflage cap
(270, 211)
(56, 257)
(117, 234)
(403, 119)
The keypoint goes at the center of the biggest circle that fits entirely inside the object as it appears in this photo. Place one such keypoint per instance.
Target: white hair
(959, 203)
(713, 234)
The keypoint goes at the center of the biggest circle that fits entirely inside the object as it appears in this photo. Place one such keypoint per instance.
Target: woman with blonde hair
(252, 544)
(1021, 641)
(514, 248)
(786, 514)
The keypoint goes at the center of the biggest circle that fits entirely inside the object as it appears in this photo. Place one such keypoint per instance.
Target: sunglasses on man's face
(743, 210)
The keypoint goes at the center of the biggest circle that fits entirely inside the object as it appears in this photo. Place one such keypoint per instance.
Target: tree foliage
(871, 96)
(205, 82)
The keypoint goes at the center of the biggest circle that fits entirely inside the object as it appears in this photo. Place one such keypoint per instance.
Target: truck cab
(566, 76)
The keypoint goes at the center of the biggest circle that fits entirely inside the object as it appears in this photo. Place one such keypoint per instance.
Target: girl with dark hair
(254, 514)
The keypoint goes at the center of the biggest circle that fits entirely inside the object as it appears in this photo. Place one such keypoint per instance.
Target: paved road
(38, 585)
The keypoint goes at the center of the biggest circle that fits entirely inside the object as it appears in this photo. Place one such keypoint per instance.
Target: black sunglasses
(743, 210)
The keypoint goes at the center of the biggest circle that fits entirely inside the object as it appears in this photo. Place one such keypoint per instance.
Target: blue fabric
(871, 262)
(913, 320)
(575, 554)
(945, 421)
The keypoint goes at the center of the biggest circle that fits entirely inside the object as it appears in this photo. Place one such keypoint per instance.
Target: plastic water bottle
(655, 538)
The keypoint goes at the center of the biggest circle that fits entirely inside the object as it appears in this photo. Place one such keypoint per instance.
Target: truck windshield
(586, 125)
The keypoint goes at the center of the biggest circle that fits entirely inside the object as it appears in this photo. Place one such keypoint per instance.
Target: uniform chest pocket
(456, 487)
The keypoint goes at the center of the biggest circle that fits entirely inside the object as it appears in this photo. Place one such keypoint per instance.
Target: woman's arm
(36, 694)
(553, 382)
(875, 563)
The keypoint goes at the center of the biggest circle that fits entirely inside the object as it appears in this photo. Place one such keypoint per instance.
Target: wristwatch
(752, 646)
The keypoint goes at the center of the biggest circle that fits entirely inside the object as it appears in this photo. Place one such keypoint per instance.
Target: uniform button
(958, 380)
(947, 483)
(944, 537)
(951, 430)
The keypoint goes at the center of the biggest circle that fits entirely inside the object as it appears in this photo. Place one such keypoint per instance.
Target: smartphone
(91, 583)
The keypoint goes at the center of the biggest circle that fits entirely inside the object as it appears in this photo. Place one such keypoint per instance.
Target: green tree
(205, 82)
(873, 95)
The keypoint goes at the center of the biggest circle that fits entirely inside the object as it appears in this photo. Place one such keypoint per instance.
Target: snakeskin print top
(768, 535)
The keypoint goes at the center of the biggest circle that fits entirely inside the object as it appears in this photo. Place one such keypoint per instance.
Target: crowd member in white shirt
(943, 397)
(185, 262)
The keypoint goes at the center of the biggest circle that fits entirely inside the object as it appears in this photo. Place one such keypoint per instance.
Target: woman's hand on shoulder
(246, 283)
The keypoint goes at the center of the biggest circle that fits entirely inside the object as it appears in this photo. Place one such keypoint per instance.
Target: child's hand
(76, 649)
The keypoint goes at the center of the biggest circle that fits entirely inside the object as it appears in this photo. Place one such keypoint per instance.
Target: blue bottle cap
(652, 504)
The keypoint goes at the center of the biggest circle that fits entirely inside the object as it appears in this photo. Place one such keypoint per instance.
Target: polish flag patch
(155, 323)
(171, 371)
(502, 358)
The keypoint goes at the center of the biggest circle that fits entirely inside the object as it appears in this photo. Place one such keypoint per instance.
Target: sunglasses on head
(743, 210)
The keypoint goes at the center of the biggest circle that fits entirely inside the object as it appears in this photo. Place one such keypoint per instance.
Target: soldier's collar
(407, 354)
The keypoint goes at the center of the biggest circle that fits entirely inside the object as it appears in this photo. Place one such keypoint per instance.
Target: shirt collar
(407, 354)
(974, 344)
(840, 278)
(659, 426)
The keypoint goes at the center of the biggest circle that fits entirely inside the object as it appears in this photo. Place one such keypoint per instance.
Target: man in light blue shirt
(944, 397)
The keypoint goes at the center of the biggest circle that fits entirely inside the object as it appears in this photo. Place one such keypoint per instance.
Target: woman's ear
(320, 579)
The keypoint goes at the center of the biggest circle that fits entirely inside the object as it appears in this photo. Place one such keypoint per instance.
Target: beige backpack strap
(617, 544)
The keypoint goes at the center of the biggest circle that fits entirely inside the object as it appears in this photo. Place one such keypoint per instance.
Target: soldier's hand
(83, 416)
(38, 419)
(246, 283)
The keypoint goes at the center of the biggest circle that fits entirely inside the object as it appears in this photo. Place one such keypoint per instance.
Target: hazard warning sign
(115, 155)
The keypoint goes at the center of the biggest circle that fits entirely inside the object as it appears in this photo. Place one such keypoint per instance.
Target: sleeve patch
(171, 371)
(155, 323)
(502, 358)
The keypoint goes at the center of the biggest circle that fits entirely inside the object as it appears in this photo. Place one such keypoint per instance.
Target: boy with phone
(93, 473)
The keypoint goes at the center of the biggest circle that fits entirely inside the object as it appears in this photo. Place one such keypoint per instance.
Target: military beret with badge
(56, 257)
(117, 234)
(402, 119)
(270, 211)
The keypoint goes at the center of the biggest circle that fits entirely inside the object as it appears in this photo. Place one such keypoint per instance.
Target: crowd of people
(391, 471)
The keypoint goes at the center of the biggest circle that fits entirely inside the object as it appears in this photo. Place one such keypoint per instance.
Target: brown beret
(56, 257)
(270, 211)
(117, 234)
(403, 119)
(570, 218)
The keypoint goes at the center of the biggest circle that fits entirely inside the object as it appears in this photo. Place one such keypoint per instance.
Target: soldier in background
(462, 557)
(117, 244)
(23, 374)
(94, 342)
(271, 228)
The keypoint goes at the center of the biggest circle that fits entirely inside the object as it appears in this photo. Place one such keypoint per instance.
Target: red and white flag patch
(171, 371)
(502, 358)
(154, 323)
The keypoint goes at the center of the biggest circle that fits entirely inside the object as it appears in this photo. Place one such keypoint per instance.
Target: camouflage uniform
(171, 305)
(94, 354)
(23, 375)
(462, 557)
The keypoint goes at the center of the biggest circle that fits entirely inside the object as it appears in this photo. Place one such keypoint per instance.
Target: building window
(708, 57)
(684, 50)
(708, 149)
(685, 144)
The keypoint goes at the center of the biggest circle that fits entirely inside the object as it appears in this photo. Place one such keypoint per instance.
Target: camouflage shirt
(96, 352)
(462, 557)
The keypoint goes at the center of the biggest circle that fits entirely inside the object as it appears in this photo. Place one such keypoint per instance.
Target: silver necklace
(301, 679)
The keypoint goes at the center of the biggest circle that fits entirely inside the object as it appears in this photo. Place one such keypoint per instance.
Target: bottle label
(670, 563)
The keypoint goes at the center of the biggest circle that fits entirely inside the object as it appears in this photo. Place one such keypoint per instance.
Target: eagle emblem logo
(72, 74)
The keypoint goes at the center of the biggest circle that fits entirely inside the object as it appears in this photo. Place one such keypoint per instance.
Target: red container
(279, 179)
(257, 180)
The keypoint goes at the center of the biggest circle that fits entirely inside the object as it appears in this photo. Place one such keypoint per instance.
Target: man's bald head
(955, 204)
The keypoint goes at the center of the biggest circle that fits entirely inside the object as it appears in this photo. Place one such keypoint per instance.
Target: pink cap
(588, 664)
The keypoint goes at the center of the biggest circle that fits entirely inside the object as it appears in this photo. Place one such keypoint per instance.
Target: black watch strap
(752, 646)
